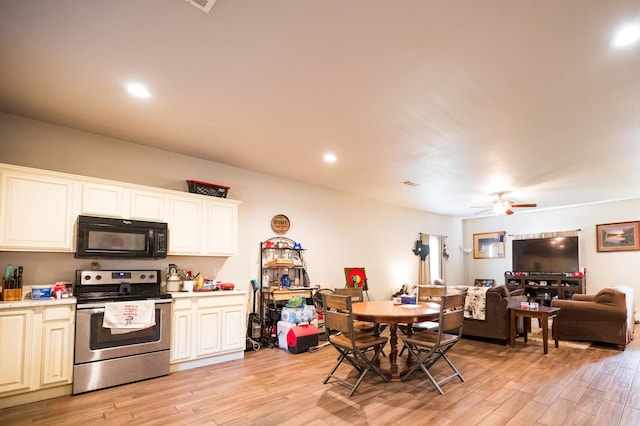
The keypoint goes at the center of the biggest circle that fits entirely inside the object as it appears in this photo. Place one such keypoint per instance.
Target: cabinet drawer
(221, 300)
(181, 304)
(59, 313)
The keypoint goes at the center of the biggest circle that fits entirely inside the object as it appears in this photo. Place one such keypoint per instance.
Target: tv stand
(542, 288)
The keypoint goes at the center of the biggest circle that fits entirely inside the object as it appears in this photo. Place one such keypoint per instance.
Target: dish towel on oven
(126, 317)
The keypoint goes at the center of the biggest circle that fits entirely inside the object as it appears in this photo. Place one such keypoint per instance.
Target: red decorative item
(356, 277)
(227, 286)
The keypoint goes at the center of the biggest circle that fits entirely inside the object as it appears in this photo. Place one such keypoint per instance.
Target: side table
(543, 313)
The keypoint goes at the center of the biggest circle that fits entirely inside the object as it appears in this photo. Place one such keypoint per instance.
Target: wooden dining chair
(356, 293)
(361, 350)
(427, 347)
(426, 293)
(433, 294)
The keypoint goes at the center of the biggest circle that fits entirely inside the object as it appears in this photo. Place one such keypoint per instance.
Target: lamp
(500, 207)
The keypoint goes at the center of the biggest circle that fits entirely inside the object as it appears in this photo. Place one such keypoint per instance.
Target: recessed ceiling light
(626, 36)
(138, 90)
(330, 158)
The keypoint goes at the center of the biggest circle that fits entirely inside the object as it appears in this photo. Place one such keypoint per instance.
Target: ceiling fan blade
(524, 205)
(482, 211)
(508, 212)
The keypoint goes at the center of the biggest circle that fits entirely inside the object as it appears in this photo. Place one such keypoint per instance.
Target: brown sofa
(496, 323)
(607, 316)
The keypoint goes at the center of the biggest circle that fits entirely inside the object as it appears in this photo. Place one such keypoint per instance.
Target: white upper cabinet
(146, 205)
(37, 212)
(222, 228)
(202, 226)
(102, 200)
(185, 225)
(122, 202)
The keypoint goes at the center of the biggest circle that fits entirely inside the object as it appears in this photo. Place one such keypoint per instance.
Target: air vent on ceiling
(203, 5)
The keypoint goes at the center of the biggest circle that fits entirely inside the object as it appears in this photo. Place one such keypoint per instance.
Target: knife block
(10, 294)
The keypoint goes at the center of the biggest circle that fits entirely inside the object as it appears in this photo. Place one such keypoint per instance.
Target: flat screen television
(546, 255)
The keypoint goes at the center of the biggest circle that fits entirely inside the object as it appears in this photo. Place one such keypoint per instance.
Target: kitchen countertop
(30, 303)
(217, 293)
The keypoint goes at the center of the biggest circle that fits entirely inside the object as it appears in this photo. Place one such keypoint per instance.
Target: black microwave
(100, 237)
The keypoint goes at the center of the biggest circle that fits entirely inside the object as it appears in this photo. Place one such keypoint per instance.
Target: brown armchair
(607, 316)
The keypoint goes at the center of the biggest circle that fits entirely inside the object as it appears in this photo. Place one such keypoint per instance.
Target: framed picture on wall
(489, 245)
(621, 236)
(356, 277)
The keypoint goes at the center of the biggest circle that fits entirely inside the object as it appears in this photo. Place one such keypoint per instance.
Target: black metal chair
(427, 347)
(361, 350)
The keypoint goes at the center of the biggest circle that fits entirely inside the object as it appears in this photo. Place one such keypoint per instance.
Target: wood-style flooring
(503, 386)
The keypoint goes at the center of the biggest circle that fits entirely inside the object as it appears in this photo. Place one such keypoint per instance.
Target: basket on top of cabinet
(205, 188)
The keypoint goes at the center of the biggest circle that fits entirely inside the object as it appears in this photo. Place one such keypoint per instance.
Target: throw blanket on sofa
(475, 303)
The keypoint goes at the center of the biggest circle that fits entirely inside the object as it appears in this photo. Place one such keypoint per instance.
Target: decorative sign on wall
(280, 224)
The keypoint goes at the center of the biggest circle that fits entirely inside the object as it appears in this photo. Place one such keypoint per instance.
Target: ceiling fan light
(501, 207)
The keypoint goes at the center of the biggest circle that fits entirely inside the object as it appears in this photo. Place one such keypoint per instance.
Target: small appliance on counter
(174, 279)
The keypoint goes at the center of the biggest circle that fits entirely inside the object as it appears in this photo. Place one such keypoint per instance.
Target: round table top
(385, 311)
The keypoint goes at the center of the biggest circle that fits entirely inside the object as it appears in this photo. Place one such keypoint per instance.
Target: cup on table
(524, 305)
(187, 285)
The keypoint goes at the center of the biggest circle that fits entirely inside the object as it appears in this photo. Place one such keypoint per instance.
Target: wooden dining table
(386, 312)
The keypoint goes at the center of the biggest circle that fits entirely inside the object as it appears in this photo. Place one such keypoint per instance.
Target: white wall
(336, 228)
(604, 269)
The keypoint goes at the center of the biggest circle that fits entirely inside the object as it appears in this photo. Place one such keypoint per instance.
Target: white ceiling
(464, 98)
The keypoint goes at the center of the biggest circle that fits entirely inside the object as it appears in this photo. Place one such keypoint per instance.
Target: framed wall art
(489, 245)
(356, 277)
(621, 236)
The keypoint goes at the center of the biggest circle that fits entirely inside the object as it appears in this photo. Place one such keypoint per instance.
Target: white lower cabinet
(207, 329)
(16, 350)
(36, 353)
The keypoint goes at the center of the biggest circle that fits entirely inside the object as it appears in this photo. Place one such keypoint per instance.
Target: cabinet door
(208, 328)
(57, 346)
(185, 226)
(36, 213)
(16, 350)
(181, 332)
(233, 328)
(102, 200)
(146, 205)
(222, 229)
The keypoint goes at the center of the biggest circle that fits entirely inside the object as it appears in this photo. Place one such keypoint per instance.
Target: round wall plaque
(280, 224)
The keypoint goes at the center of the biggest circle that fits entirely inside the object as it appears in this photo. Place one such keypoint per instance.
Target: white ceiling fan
(504, 207)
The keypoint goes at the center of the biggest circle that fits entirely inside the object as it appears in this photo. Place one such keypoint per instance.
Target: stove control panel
(102, 277)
